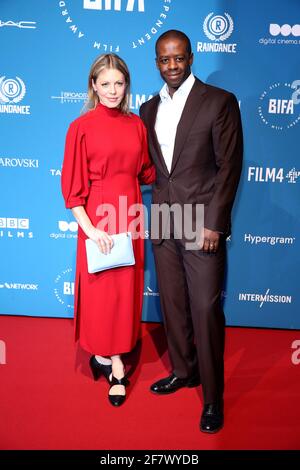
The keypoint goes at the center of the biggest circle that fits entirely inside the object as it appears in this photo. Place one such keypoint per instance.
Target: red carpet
(48, 399)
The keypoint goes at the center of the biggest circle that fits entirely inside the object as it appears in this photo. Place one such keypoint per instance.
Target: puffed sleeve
(147, 173)
(74, 178)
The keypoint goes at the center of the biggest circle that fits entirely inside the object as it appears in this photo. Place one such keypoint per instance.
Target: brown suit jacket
(207, 157)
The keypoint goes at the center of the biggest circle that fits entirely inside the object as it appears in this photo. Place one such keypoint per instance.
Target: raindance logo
(278, 105)
(64, 288)
(12, 91)
(217, 28)
(92, 20)
(265, 298)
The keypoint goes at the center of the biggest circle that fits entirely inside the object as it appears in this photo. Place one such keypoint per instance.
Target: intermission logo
(261, 299)
(64, 288)
(279, 105)
(268, 240)
(12, 227)
(15, 162)
(12, 91)
(282, 35)
(18, 24)
(106, 24)
(259, 174)
(217, 28)
(66, 230)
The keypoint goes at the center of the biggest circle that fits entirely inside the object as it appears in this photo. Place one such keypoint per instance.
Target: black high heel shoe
(100, 369)
(117, 400)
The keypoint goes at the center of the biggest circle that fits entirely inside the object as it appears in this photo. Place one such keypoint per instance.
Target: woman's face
(110, 87)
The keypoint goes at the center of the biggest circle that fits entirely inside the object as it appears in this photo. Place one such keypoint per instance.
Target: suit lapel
(153, 136)
(187, 119)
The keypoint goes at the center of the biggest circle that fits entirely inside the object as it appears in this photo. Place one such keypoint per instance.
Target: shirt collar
(183, 90)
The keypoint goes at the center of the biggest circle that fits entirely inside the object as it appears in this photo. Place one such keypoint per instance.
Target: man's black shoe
(172, 383)
(212, 419)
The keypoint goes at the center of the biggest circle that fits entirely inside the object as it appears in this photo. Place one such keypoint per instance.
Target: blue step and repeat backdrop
(249, 47)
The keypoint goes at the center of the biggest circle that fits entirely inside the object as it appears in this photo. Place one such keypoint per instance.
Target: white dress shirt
(168, 116)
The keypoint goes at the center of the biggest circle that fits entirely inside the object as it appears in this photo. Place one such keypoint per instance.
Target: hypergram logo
(265, 298)
(143, 18)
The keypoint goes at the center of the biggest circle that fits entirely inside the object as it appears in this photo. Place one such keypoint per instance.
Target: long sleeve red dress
(105, 161)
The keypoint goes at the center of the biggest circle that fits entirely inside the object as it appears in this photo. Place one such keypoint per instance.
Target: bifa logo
(2, 352)
(296, 354)
(279, 105)
(259, 174)
(12, 91)
(117, 5)
(135, 22)
(64, 288)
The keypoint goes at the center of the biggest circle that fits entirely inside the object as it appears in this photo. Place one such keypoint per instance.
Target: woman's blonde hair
(108, 61)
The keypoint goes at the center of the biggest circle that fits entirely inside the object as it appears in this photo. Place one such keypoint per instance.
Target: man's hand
(210, 241)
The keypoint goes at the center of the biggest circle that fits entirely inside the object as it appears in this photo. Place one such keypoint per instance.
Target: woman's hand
(103, 240)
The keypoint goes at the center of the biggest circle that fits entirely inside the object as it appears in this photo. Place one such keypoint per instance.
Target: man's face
(173, 62)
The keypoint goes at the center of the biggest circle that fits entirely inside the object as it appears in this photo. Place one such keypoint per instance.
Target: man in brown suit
(195, 140)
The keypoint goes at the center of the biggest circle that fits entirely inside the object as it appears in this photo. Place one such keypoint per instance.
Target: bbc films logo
(18, 24)
(279, 105)
(259, 174)
(64, 288)
(272, 240)
(12, 92)
(67, 230)
(12, 227)
(282, 35)
(217, 28)
(143, 18)
(16, 162)
(262, 299)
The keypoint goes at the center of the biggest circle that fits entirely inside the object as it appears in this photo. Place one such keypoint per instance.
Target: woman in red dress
(106, 159)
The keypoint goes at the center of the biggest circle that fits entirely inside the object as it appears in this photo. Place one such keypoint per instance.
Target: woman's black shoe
(117, 400)
(100, 369)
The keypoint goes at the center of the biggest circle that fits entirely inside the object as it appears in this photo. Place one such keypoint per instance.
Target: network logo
(18, 286)
(143, 18)
(285, 30)
(150, 293)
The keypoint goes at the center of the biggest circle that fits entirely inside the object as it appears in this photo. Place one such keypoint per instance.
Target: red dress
(106, 156)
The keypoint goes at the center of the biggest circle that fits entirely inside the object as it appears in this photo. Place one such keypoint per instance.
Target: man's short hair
(175, 34)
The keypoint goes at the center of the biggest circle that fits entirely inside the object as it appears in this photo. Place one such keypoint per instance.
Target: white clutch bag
(121, 253)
